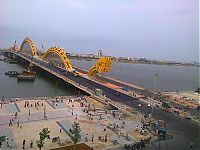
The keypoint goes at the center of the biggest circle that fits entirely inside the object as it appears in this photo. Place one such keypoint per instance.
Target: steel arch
(61, 54)
(32, 46)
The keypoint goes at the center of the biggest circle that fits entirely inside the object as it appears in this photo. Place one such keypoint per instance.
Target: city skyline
(161, 30)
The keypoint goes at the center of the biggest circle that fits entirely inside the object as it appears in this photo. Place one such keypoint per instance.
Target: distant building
(100, 53)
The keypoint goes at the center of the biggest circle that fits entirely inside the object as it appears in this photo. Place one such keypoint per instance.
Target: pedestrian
(72, 112)
(7, 142)
(92, 139)
(60, 130)
(29, 112)
(10, 124)
(11, 143)
(191, 144)
(18, 123)
(86, 138)
(16, 114)
(31, 144)
(106, 138)
(24, 142)
(119, 134)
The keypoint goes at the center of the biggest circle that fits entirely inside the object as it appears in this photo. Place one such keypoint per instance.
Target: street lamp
(155, 81)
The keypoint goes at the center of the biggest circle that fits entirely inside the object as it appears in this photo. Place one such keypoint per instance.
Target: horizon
(135, 29)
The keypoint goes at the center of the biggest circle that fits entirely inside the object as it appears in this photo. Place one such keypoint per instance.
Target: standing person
(29, 112)
(16, 114)
(191, 144)
(86, 138)
(60, 130)
(24, 142)
(106, 138)
(72, 112)
(92, 139)
(18, 123)
(31, 144)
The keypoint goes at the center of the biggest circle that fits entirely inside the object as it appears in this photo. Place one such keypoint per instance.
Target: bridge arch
(102, 65)
(61, 55)
(28, 46)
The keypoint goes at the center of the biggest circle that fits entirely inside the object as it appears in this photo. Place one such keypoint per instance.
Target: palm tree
(75, 134)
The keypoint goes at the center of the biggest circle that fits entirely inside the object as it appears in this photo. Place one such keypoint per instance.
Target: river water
(170, 78)
(42, 86)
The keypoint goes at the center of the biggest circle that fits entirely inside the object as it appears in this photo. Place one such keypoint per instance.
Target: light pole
(154, 91)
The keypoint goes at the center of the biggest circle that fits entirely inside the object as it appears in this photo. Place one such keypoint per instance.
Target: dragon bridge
(56, 56)
(102, 65)
(27, 47)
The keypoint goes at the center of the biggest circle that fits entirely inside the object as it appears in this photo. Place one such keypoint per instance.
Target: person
(24, 142)
(119, 134)
(92, 138)
(76, 117)
(137, 128)
(60, 130)
(191, 143)
(86, 138)
(10, 124)
(18, 123)
(72, 112)
(106, 138)
(16, 114)
(31, 144)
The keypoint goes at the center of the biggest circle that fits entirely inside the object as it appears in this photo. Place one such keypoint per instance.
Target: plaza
(102, 127)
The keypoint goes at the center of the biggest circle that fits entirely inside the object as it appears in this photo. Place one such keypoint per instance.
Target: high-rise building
(100, 53)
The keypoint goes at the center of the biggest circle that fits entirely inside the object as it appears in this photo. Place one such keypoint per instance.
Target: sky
(155, 29)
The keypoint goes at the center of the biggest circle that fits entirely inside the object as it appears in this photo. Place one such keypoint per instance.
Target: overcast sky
(157, 29)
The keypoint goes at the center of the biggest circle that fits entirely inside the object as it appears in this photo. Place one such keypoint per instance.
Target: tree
(45, 133)
(75, 134)
(2, 139)
(40, 143)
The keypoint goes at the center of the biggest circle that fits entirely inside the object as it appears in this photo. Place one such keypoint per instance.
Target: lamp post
(154, 91)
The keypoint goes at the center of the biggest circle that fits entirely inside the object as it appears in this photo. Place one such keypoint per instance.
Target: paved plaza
(24, 119)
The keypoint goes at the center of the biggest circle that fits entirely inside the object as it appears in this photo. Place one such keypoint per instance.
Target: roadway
(182, 130)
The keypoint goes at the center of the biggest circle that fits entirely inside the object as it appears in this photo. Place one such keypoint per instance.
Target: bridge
(55, 61)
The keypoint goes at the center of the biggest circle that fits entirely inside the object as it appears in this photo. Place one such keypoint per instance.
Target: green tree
(75, 134)
(44, 134)
(2, 139)
(40, 143)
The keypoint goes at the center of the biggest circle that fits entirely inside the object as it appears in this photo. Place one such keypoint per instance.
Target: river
(170, 78)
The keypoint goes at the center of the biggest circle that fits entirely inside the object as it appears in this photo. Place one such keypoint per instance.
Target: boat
(28, 72)
(26, 77)
(12, 73)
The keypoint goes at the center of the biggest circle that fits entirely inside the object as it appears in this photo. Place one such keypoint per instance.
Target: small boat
(28, 72)
(12, 73)
(26, 77)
